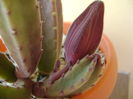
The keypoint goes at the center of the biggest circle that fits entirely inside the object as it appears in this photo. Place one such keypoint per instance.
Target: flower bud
(85, 33)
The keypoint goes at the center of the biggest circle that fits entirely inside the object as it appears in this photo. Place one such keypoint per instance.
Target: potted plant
(37, 64)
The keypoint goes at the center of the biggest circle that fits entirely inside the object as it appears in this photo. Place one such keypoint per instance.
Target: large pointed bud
(85, 33)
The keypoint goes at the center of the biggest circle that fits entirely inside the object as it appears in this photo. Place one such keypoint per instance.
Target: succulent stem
(51, 16)
(21, 31)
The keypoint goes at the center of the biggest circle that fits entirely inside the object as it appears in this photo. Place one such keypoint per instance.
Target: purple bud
(85, 33)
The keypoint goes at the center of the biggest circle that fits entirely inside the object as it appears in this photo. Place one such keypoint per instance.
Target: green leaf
(21, 31)
(51, 14)
(7, 69)
(7, 92)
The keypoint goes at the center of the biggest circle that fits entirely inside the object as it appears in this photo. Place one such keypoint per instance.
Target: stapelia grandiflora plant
(36, 62)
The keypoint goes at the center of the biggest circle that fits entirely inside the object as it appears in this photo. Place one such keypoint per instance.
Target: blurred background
(118, 25)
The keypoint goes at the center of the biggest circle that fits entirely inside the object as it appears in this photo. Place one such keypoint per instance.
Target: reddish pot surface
(2, 46)
(104, 87)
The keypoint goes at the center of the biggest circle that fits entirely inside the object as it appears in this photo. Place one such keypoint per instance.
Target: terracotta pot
(104, 88)
(2, 46)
